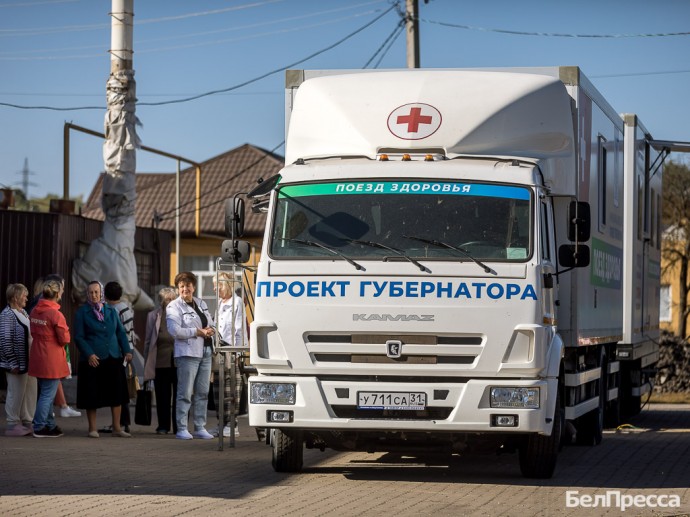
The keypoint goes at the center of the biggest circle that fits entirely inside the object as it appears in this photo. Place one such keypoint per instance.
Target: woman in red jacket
(48, 360)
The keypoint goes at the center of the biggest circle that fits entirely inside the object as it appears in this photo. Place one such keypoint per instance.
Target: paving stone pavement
(152, 475)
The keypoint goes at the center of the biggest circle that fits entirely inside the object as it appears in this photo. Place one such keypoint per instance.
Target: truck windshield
(486, 221)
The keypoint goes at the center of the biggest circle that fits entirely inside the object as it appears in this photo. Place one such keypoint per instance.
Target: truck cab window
(490, 222)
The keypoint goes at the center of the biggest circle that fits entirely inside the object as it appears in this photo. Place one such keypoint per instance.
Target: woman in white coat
(191, 325)
(232, 329)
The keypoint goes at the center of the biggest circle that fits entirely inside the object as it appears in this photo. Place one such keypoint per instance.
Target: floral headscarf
(97, 307)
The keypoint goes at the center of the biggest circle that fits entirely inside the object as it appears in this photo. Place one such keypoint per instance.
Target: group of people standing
(35, 356)
(178, 356)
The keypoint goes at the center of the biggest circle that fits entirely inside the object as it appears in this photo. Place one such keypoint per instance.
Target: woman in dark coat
(102, 343)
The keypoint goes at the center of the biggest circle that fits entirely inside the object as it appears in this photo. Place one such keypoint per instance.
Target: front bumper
(452, 407)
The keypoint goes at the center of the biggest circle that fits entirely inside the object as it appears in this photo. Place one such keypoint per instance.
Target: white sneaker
(67, 412)
(203, 434)
(226, 431)
(183, 435)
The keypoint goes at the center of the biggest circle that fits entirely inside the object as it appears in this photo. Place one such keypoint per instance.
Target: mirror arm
(557, 273)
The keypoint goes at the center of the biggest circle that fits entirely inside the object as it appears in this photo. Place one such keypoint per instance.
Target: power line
(390, 44)
(42, 2)
(212, 203)
(267, 74)
(4, 55)
(255, 35)
(37, 31)
(390, 37)
(556, 34)
(63, 57)
(223, 90)
(640, 73)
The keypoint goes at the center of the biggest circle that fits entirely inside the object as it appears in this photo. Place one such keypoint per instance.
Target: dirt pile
(673, 374)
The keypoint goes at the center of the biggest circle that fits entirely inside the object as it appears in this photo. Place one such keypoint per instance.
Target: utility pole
(111, 256)
(412, 29)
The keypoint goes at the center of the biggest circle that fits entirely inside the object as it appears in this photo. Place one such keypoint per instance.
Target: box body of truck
(453, 257)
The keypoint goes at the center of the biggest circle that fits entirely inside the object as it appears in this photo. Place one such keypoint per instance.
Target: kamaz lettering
(397, 289)
(392, 317)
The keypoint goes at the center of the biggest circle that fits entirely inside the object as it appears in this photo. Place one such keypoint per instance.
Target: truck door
(547, 254)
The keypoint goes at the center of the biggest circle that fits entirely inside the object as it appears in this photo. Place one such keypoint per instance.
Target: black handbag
(142, 411)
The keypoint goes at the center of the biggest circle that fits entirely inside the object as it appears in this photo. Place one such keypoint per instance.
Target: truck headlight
(507, 397)
(272, 393)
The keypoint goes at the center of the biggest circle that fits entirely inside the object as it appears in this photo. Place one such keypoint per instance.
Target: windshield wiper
(440, 244)
(359, 267)
(396, 251)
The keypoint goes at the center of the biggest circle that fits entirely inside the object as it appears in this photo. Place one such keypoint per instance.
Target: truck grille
(372, 349)
(431, 413)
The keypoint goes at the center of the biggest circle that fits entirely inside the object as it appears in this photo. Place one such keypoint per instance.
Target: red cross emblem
(414, 121)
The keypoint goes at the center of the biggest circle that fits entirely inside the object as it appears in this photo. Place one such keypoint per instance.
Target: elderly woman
(48, 358)
(102, 343)
(15, 342)
(232, 330)
(159, 364)
(191, 325)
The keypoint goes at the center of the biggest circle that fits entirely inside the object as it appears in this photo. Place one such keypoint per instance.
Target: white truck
(454, 258)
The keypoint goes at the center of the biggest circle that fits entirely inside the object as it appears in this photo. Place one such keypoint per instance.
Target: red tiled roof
(221, 178)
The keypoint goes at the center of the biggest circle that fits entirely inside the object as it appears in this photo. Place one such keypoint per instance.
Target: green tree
(675, 247)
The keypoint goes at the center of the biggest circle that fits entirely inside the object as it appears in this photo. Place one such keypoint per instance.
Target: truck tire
(288, 450)
(590, 430)
(538, 453)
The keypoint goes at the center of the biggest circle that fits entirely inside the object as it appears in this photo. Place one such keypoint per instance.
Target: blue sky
(55, 53)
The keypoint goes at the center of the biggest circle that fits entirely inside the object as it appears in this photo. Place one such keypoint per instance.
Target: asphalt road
(645, 464)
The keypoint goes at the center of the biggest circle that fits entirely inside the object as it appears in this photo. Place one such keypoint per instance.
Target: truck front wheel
(288, 450)
(538, 453)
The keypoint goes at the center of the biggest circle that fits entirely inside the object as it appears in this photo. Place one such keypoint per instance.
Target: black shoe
(106, 429)
(48, 433)
(162, 431)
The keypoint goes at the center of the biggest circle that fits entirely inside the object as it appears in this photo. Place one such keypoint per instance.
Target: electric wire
(390, 37)
(222, 90)
(37, 31)
(554, 34)
(390, 45)
(275, 71)
(203, 194)
(41, 2)
(6, 56)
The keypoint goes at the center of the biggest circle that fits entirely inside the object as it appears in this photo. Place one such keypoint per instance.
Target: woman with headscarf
(102, 343)
(15, 342)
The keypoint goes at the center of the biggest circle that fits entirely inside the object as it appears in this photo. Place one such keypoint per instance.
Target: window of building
(197, 263)
(665, 303)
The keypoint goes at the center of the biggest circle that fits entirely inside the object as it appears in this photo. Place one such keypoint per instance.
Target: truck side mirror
(579, 221)
(237, 252)
(573, 255)
(234, 217)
